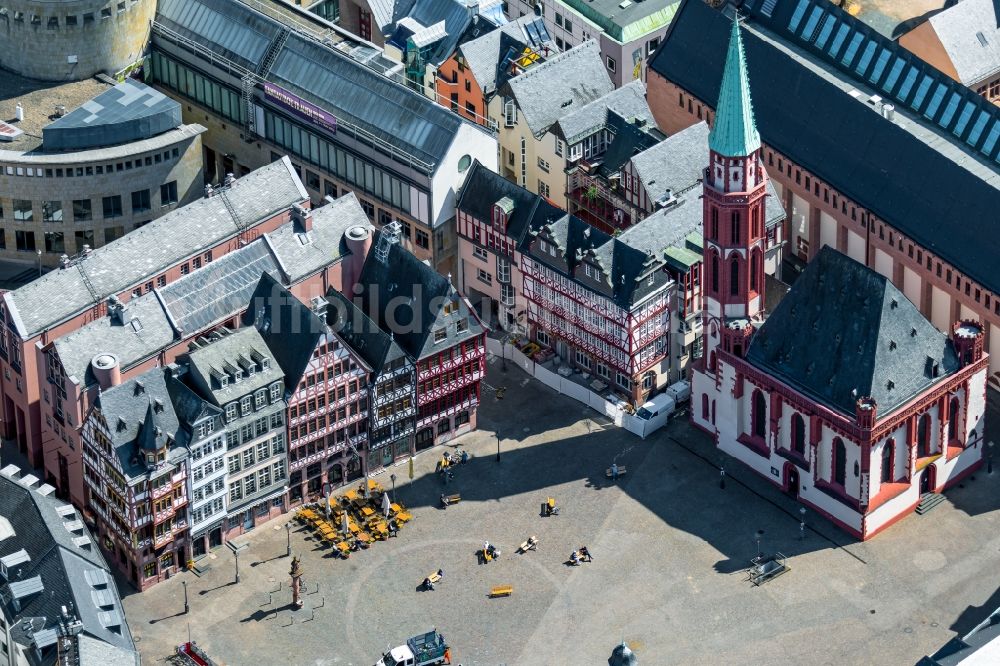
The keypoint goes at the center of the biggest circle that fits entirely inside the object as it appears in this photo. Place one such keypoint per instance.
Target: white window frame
(603, 371)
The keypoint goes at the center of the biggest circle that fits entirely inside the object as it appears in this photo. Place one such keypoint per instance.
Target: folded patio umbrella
(385, 504)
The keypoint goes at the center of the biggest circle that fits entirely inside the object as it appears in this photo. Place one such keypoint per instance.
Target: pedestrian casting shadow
(217, 587)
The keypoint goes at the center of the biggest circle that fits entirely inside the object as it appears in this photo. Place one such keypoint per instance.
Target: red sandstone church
(844, 395)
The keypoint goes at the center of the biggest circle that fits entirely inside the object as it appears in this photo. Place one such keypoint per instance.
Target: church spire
(734, 133)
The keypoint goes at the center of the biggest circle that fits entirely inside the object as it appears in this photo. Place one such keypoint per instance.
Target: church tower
(735, 188)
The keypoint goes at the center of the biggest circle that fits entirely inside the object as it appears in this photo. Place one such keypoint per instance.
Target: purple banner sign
(300, 107)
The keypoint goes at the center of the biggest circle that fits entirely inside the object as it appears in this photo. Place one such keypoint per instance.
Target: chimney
(888, 112)
(209, 191)
(967, 337)
(64, 261)
(302, 218)
(86, 251)
(19, 112)
(358, 239)
(230, 179)
(106, 370)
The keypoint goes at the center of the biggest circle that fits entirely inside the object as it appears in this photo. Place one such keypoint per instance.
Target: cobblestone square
(670, 549)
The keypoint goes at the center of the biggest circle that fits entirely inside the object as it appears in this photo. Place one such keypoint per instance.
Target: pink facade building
(844, 395)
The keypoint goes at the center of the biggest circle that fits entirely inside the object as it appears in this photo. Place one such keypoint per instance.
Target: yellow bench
(501, 591)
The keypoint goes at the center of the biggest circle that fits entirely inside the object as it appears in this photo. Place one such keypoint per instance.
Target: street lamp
(186, 607)
(503, 354)
(989, 457)
(392, 477)
(288, 533)
(722, 476)
(759, 535)
(498, 447)
(802, 523)
(39, 263)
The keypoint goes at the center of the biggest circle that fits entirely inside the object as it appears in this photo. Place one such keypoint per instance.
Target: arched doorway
(791, 480)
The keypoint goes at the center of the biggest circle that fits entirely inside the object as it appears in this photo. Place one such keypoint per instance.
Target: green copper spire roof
(734, 133)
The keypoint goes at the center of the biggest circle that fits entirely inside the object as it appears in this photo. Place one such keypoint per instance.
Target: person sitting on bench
(574, 558)
(614, 471)
(393, 528)
(585, 554)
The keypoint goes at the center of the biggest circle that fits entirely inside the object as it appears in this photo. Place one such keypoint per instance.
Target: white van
(653, 414)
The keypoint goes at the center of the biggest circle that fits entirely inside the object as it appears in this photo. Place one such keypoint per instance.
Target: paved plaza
(670, 549)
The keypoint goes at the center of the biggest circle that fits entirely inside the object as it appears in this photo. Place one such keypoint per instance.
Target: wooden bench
(433, 578)
(501, 591)
(621, 471)
(530, 544)
(448, 500)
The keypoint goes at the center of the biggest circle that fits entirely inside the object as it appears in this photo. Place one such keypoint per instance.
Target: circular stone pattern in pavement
(930, 560)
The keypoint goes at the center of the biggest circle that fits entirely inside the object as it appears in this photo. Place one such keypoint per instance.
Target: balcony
(593, 201)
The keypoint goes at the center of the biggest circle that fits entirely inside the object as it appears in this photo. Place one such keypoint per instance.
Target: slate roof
(844, 332)
(147, 412)
(301, 254)
(808, 117)
(148, 330)
(674, 163)
(421, 293)
(361, 333)
(438, 22)
(628, 102)
(225, 348)
(624, 269)
(484, 55)
(734, 133)
(290, 329)
(68, 563)
(483, 188)
(209, 295)
(153, 248)
(629, 140)
(969, 31)
(130, 111)
(561, 85)
(827, 37)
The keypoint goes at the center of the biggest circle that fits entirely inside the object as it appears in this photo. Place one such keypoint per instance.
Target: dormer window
(150, 458)
(238, 376)
(501, 213)
(245, 405)
(440, 335)
(275, 389)
(265, 363)
(231, 412)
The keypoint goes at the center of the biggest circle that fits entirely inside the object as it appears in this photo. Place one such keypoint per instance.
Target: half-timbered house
(136, 455)
(436, 327)
(325, 388)
(392, 384)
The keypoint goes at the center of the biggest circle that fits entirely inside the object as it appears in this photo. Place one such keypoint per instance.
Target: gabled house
(528, 107)
(392, 385)
(436, 327)
(326, 389)
(138, 442)
(470, 78)
(235, 371)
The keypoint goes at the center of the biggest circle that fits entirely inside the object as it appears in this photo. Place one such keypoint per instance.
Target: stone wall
(72, 39)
